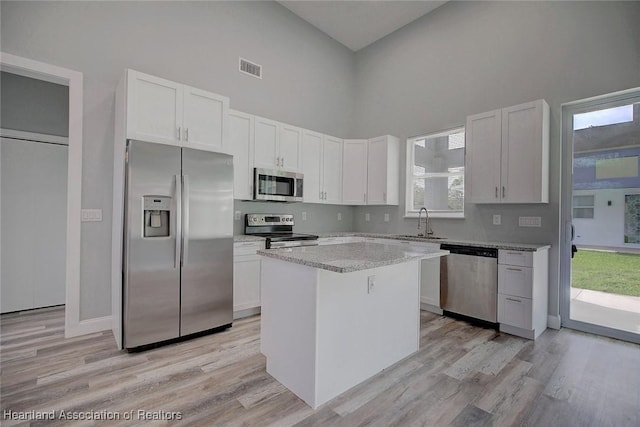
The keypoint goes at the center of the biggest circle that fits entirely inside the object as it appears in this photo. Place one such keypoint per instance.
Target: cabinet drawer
(247, 248)
(521, 258)
(516, 281)
(515, 311)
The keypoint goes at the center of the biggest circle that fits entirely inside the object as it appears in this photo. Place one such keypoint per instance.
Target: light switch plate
(91, 215)
(386, 217)
(237, 215)
(497, 219)
(339, 216)
(529, 221)
(371, 283)
(304, 216)
(367, 217)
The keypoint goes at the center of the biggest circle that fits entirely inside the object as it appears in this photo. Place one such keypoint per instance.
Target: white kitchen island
(333, 316)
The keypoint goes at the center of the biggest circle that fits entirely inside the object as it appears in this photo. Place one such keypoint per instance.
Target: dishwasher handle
(470, 250)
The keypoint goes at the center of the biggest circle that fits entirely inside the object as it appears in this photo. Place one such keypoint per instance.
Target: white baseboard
(553, 322)
(88, 326)
(430, 308)
(239, 314)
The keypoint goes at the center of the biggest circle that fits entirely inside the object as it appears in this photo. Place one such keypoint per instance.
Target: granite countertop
(448, 241)
(350, 257)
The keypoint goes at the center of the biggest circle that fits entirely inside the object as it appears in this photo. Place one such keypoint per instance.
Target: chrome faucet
(427, 227)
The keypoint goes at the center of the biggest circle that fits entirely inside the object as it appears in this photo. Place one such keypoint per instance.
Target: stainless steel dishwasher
(469, 282)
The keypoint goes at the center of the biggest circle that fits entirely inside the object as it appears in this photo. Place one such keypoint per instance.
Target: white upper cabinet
(354, 172)
(277, 145)
(240, 137)
(205, 115)
(312, 166)
(332, 170)
(265, 152)
(507, 155)
(383, 179)
(290, 147)
(154, 109)
(483, 157)
(167, 112)
(322, 168)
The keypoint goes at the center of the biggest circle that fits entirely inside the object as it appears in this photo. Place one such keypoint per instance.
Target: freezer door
(151, 294)
(207, 245)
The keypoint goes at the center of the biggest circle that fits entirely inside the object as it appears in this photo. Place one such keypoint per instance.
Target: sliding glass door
(600, 248)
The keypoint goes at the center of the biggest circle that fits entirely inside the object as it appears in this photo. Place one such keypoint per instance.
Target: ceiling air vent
(250, 68)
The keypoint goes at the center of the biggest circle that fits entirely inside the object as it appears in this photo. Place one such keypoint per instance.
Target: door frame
(73, 325)
(566, 192)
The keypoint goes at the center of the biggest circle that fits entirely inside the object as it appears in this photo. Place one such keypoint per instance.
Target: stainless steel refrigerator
(178, 250)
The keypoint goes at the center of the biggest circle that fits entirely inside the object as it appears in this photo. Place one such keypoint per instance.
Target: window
(435, 174)
(583, 206)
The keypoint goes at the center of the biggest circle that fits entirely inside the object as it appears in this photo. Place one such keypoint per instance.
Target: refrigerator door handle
(178, 220)
(185, 219)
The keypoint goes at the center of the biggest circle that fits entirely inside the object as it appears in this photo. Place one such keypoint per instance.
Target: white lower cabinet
(246, 278)
(523, 292)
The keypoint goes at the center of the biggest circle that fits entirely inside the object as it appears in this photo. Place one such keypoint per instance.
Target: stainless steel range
(278, 230)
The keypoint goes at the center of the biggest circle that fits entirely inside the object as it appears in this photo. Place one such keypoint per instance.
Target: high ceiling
(357, 24)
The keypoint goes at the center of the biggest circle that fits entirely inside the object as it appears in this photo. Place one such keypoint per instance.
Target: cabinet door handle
(320, 195)
(496, 192)
(325, 195)
(282, 161)
(504, 193)
(514, 269)
(179, 136)
(186, 134)
(278, 161)
(514, 300)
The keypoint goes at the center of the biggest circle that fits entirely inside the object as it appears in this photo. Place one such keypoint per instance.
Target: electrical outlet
(497, 219)
(529, 221)
(386, 217)
(371, 283)
(367, 217)
(237, 215)
(304, 216)
(339, 216)
(91, 215)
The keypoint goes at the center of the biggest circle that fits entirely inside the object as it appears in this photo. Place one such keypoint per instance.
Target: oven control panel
(256, 220)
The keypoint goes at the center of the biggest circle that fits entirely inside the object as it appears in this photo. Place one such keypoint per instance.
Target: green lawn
(611, 272)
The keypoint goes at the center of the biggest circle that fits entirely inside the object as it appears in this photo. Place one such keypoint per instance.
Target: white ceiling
(357, 24)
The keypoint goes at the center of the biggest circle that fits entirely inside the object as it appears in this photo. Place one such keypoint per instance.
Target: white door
(34, 224)
(154, 109)
(377, 164)
(522, 177)
(204, 119)
(240, 141)
(354, 172)
(332, 170)
(289, 148)
(265, 143)
(483, 157)
(312, 166)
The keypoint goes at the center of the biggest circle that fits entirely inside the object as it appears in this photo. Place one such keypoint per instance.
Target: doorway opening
(74, 326)
(601, 210)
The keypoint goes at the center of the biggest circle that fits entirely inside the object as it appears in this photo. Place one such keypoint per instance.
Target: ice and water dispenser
(157, 211)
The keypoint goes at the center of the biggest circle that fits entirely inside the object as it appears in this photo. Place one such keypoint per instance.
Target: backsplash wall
(320, 218)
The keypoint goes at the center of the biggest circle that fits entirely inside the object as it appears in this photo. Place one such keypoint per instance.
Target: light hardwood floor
(461, 376)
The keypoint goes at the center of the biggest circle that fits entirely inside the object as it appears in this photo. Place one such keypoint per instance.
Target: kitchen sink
(413, 236)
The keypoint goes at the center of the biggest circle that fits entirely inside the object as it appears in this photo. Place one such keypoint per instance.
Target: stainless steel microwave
(279, 186)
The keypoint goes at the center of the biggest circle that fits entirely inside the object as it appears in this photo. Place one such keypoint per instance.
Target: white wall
(308, 79)
(471, 57)
(606, 228)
